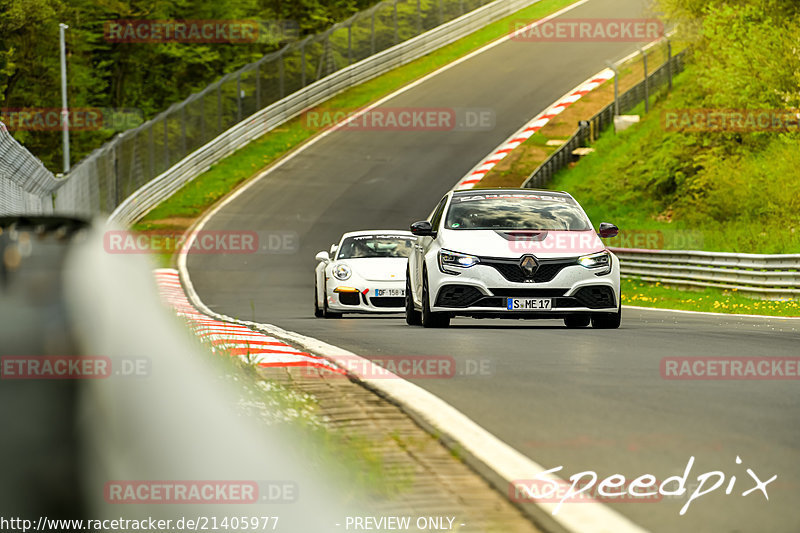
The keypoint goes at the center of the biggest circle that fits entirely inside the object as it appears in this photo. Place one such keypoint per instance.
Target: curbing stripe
(476, 174)
(234, 339)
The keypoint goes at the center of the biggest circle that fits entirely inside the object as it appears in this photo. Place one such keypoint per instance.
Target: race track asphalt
(585, 399)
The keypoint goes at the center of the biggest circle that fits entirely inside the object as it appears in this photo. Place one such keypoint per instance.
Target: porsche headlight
(449, 259)
(341, 271)
(600, 262)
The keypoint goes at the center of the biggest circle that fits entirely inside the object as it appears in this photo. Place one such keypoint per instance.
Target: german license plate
(390, 292)
(529, 304)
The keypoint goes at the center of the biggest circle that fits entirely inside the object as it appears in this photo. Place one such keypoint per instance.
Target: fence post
(219, 107)
(239, 97)
(669, 62)
(303, 63)
(166, 143)
(258, 86)
(350, 44)
(394, 15)
(281, 76)
(373, 30)
(646, 82)
(202, 118)
(614, 67)
(183, 130)
(419, 17)
(151, 149)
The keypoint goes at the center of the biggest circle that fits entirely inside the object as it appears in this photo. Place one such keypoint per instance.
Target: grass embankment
(644, 294)
(518, 165)
(178, 212)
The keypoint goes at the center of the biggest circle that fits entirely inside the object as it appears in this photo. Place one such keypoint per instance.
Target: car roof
(399, 232)
(512, 190)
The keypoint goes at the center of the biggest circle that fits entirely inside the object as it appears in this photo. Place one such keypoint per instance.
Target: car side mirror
(323, 256)
(423, 228)
(607, 230)
(334, 249)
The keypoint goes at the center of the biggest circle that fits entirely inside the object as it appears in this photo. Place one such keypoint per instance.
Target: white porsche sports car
(364, 273)
(512, 253)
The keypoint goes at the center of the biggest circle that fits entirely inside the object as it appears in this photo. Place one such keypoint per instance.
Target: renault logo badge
(528, 265)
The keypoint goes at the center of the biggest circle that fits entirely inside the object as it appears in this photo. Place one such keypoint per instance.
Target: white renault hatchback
(512, 253)
(364, 273)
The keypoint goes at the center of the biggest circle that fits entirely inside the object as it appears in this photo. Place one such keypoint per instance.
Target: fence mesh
(104, 178)
(26, 186)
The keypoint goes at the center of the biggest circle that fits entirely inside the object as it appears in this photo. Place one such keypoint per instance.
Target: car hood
(515, 243)
(378, 268)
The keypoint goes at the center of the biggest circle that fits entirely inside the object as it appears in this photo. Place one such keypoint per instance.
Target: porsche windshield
(376, 246)
(515, 212)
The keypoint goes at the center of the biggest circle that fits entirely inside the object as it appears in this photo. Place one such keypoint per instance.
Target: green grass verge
(640, 179)
(646, 294)
(202, 192)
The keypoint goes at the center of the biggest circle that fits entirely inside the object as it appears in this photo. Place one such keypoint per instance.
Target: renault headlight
(448, 259)
(599, 262)
(342, 272)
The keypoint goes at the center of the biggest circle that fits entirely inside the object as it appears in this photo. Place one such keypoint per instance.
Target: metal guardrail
(149, 195)
(591, 129)
(765, 275)
(187, 138)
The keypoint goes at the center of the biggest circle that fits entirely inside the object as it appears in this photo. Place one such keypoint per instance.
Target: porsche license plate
(529, 304)
(390, 292)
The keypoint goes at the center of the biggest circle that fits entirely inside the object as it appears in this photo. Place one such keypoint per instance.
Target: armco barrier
(774, 276)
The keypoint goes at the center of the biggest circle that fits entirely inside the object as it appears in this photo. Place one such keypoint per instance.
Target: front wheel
(327, 313)
(429, 318)
(317, 310)
(413, 317)
(608, 320)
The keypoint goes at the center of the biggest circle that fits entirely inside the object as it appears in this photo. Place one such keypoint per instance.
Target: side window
(436, 218)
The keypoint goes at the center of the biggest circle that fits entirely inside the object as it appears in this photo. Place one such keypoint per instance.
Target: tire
(413, 317)
(577, 321)
(317, 310)
(429, 318)
(608, 320)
